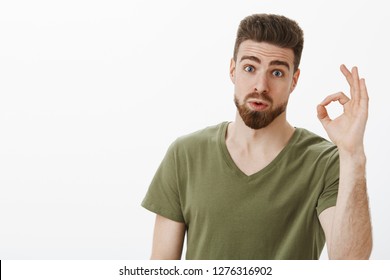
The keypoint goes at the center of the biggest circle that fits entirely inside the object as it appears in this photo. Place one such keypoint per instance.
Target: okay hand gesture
(347, 130)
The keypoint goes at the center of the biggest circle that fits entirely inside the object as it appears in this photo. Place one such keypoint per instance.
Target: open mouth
(258, 105)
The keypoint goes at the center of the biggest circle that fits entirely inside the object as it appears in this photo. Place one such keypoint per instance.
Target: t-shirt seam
(267, 169)
(160, 211)
(327, 204)
(178, 181)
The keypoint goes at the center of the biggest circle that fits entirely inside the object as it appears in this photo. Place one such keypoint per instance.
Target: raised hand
(347, 130)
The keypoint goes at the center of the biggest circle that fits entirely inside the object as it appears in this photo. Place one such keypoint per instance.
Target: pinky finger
(363, 89)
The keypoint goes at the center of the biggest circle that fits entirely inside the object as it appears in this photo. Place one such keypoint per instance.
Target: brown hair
(274, 29)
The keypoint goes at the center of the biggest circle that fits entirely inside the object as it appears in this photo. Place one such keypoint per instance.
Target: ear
(232, 70)
(295, 80)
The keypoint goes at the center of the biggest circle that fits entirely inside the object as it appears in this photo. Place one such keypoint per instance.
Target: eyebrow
(273, 62)
(250, 57)
(280, 62)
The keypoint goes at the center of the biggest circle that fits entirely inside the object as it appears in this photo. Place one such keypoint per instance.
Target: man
(259, 188)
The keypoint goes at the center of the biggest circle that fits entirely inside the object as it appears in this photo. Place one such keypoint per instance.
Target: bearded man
(258, 187)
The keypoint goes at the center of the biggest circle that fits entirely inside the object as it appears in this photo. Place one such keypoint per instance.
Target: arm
(347, 226)
(168, 239)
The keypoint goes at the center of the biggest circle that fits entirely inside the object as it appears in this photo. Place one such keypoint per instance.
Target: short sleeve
(163, 197)
(328, 196)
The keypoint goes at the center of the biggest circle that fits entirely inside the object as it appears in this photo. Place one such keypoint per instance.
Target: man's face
(264, 77)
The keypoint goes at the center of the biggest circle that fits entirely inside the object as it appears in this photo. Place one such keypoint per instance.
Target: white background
(93, 92)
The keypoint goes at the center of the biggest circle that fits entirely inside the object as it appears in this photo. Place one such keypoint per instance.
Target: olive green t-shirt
(272, 214)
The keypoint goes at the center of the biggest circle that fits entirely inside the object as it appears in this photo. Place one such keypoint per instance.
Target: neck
(272, 137)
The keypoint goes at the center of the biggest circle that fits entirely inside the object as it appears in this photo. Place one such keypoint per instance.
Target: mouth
(258, 105)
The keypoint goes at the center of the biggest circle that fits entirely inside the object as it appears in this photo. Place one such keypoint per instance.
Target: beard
(256, 119)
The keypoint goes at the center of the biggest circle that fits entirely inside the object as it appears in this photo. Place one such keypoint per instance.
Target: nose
(261, 84)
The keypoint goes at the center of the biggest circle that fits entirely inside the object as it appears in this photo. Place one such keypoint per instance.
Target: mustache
(259, 95)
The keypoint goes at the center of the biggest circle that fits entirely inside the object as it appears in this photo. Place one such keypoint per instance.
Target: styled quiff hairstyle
(273, 29)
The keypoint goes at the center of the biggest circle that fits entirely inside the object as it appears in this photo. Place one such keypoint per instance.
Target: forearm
(351, 229)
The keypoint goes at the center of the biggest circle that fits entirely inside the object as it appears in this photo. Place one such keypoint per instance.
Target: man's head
(264, 68)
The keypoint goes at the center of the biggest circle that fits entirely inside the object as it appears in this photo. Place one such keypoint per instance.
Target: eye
(249, 68)
(277, 73)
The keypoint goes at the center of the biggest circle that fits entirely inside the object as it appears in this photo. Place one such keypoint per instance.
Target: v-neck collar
(232, 165)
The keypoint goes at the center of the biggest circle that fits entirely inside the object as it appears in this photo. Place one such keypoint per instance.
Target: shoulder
(317, 154)
(200, 138)
(309, 143)
(311, 140)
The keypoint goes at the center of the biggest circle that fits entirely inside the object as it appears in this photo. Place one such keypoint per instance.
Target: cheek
(243, 81)
(281, 86)
(240, 82)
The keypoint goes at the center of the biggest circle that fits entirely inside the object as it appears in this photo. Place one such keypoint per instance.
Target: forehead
(265, 52)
